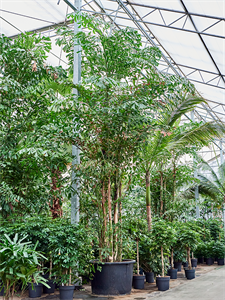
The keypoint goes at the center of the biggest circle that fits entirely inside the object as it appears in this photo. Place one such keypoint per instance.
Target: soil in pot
(149, 277)
(172, 273)
(220, 261)
(139, 282)
(163, 283)
(66, 292)
(35, 290)
(114, 279)
(52, 287)
(194, 262)
(209, 261)
(190, 274)
(177, 265)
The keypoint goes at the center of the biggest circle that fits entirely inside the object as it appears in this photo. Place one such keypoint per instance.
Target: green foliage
(19, 261)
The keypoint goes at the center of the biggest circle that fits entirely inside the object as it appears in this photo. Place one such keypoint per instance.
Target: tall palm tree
(171, 139)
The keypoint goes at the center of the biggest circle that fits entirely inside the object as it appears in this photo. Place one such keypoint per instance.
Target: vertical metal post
(221, 162)
(196, 176)
(75, 199)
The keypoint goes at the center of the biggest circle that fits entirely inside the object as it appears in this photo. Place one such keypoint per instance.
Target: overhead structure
(190, 34)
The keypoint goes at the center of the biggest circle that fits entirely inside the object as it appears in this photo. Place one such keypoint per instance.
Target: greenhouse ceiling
(190, 34)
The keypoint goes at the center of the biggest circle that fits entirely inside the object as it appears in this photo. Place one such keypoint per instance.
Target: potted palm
(189, 239)
(20, 262)
(113, 115)
(162, 236)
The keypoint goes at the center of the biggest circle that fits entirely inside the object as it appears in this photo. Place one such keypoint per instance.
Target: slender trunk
(50, 269)
(174, 181)
(120, 220)
(171, 258)
(110, 222)
(137, 256)
(161, 192)
(189, 258)
(148, 200)
(162, 260)
(115, 234)
(164, 209)
(70, 276)
(104, 216)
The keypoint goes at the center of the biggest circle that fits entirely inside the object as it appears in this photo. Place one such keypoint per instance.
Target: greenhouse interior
(112, 171)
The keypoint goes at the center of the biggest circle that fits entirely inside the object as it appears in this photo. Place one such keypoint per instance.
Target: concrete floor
(209, 286)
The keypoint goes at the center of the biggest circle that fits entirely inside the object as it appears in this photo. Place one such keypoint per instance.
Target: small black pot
(172, 273)
(50, 290)
(194, 262)
(209, 261)
(66, 292)
(35, 290)
(177, 265)
(163, 283)
(190, 274)
(220, 261)
(149, 277)
(139, 282)
(201, 260)
(185, 264)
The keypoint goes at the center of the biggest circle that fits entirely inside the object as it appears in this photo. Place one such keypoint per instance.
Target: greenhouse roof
(190, 34)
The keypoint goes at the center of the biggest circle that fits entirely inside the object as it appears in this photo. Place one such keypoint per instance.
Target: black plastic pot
(163, 283)
(190, 274)
(114, 279)
(66, 292)
(50, 290)
(172, 273)
(185, 264)
(201, 260)
(177, 265)
(209, 261)
(220, 261)
(35, 290)
(194, 262)
(149, 277)
(139, 282)
(1, 289)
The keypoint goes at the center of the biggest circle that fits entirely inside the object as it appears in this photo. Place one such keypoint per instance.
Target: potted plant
(173, 270)
(19, 261)
(189, 238)
(50, 281)
(209, 253)
(162, 235)
(219, 252)
(111, 112)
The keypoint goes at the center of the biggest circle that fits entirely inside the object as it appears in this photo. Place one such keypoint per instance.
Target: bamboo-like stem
(162, 260)
(110, 222)
(171, 258)
(104, 215)
(189, 258)
(138, 266)
(115, 235)
(70, 278)
(148, 199)
(120, 220)
(50, 268)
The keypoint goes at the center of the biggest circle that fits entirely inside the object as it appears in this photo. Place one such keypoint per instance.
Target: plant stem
(137, 257)
(189, 258)
(148, 199)
(110, 223)
(172, 258)
(162, 260)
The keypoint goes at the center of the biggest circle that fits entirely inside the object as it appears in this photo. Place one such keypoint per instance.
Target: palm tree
(170, 139)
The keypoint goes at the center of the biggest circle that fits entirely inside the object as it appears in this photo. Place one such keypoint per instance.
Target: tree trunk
(120, 220)
(115, 234)
(55, 202)
(148, 200)
(137, 257)
(172, 258)
(189, 258)
(161, 192)
(162, 260)
(104, 216)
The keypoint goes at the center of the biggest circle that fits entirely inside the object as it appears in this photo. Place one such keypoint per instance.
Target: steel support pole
(75, 199)
(196, 176)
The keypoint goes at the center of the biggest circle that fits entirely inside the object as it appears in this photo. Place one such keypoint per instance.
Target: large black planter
(194, 262)
(185, 264)
(172, 273)
(35, 290)
(114, 279)
(139, 282)
(163, 283)
(66, 292)
(50, 290)
(190, 274)
(220, 261)
(149, 277)
(177, 265)
(209, 261)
